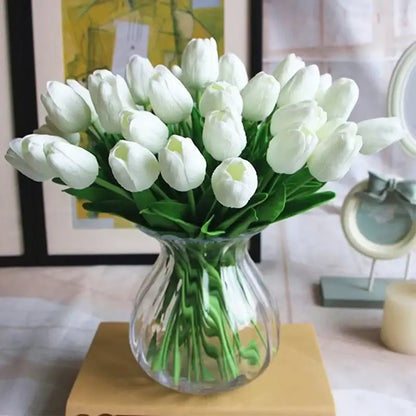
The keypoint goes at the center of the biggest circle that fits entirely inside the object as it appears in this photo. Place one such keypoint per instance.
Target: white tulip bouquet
(200, 151)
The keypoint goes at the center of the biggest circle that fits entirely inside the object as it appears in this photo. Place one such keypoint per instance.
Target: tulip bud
(332, 158)
(340, 98)
(138, 73)
(85, 95)
(328, 128)
(305, 113)
(325, 82)
(302, 86)
(14, 156)
(200, 63)
(290, 149)
(134, 167)
(223, 135)
(260, 96)
(287, 68)
(177, 71)
(110, 96)
(144, 128)
(169, 98)
(182, 165)
(234, 182)
(378, 133)
(49, 129)
(32, 151)
(66, 109)
(75, 166)
(233, 71)
(221, 96)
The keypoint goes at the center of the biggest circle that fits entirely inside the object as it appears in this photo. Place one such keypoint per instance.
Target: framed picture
(378, 229)
(104, 34)
(11, 241)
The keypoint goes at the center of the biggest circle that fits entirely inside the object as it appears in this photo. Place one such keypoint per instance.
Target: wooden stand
(111, 383)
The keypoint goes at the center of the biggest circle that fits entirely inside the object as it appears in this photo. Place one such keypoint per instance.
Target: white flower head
(232, 70)
(260, 96)
(223, 135)
(234, 182)
(66, 109)
(169, 98)
(290, 149)
(220, 96)
(182, 165)
(200, 63)
(134, 167)
(145, 128)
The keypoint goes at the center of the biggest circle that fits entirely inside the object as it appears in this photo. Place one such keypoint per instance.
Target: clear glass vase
(203, 321)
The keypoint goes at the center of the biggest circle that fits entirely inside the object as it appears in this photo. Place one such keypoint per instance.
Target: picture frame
(399, 97)
(50, 238)
(379, 230)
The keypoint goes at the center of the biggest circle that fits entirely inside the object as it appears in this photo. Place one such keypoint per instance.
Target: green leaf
(197, 126)
(173, 211)
(255, 200)
(205, 229)
(119, 207)
(272, 207)
(307, 189)
(59, 181)
(297, 206)
(143, 199)
(93, 193)
(244, 223)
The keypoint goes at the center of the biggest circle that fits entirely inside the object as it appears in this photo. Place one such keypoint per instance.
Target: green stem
(114, 188)
(191, 199)
(159, 191)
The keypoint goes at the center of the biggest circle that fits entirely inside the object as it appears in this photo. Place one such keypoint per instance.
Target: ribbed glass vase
(203, 321)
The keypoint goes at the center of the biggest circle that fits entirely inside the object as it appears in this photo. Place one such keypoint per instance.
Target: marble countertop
(48, 317)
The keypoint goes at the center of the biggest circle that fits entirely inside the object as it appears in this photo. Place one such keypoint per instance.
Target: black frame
(21, 54)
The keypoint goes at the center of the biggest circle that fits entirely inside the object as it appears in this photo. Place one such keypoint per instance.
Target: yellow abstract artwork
(105, 33)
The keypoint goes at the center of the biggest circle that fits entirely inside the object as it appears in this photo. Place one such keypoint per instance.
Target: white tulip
(302, 86)
(138, 73)
(328, 128)
(378, 133)
(325, 82)
(14, 156)
(75, 166)
(66, 109)
(51, 130)
(182, 165)
(287, 68)
(290, 149)
(221, 96)
(332, 158)
(305, 113)
(85, 95)
(234, 182)
(200, 63)
(110, 95)
(232, 70)
(223, 135)
(134, 167)
(177, 71)
(144, 128)
(169, 98)
(340, 98)
(32, 151)
(95, 79)
(260, 96)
